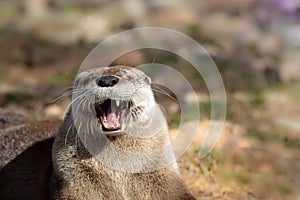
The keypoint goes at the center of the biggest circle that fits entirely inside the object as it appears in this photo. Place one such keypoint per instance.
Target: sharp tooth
(118, 102)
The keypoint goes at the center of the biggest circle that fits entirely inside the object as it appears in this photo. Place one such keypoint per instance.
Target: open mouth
(112, 114)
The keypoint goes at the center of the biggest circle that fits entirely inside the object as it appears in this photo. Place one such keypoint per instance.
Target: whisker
(168, 95)
(76, 138)
(79, 96)
(66, 138)
(66, 94)
(80, 101)
(84, 104)
(160, 90)
(92, 130)
(86, 132)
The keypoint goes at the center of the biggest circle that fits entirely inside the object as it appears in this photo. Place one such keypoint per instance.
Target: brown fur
(74, 174)
(83, 178)
(25, 157)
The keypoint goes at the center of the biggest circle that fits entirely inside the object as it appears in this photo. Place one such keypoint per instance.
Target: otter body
(113, 144)
(25, 157)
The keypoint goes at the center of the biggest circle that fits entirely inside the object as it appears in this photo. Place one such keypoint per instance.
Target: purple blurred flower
(282, 10)
(284, 15)
(289, 5)
(282, 5)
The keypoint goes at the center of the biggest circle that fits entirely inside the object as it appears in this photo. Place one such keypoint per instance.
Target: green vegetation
(14, 97)
(284, 189)
(192, 29)
(35, 40)
(174, 120)
(240, 178)
(62, 79)
(258, 101)
(205, 110)
(6, 10)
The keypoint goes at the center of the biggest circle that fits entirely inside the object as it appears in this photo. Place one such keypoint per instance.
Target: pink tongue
(111, 119)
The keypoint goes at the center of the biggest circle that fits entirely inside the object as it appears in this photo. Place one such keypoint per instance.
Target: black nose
(107, 81)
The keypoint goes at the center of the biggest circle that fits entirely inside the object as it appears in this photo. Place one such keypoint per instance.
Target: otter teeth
(112, 114)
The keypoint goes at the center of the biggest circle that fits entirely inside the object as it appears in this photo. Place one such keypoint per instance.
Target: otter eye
(107, 81)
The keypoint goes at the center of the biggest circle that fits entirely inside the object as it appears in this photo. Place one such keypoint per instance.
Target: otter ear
(147, 80)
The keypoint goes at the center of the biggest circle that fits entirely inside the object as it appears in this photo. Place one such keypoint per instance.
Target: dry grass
(203, 176)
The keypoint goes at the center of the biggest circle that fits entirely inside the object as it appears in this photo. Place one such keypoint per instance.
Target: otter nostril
(107, 81)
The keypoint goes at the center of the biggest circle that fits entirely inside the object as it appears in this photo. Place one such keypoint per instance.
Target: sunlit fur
(78, 174)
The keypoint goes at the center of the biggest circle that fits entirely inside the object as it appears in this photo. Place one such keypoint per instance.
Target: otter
(112, 144)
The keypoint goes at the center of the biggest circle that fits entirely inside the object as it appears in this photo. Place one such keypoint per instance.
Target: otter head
(115, 95)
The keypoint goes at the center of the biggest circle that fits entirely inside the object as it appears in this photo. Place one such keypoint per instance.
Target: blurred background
(255, 44)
